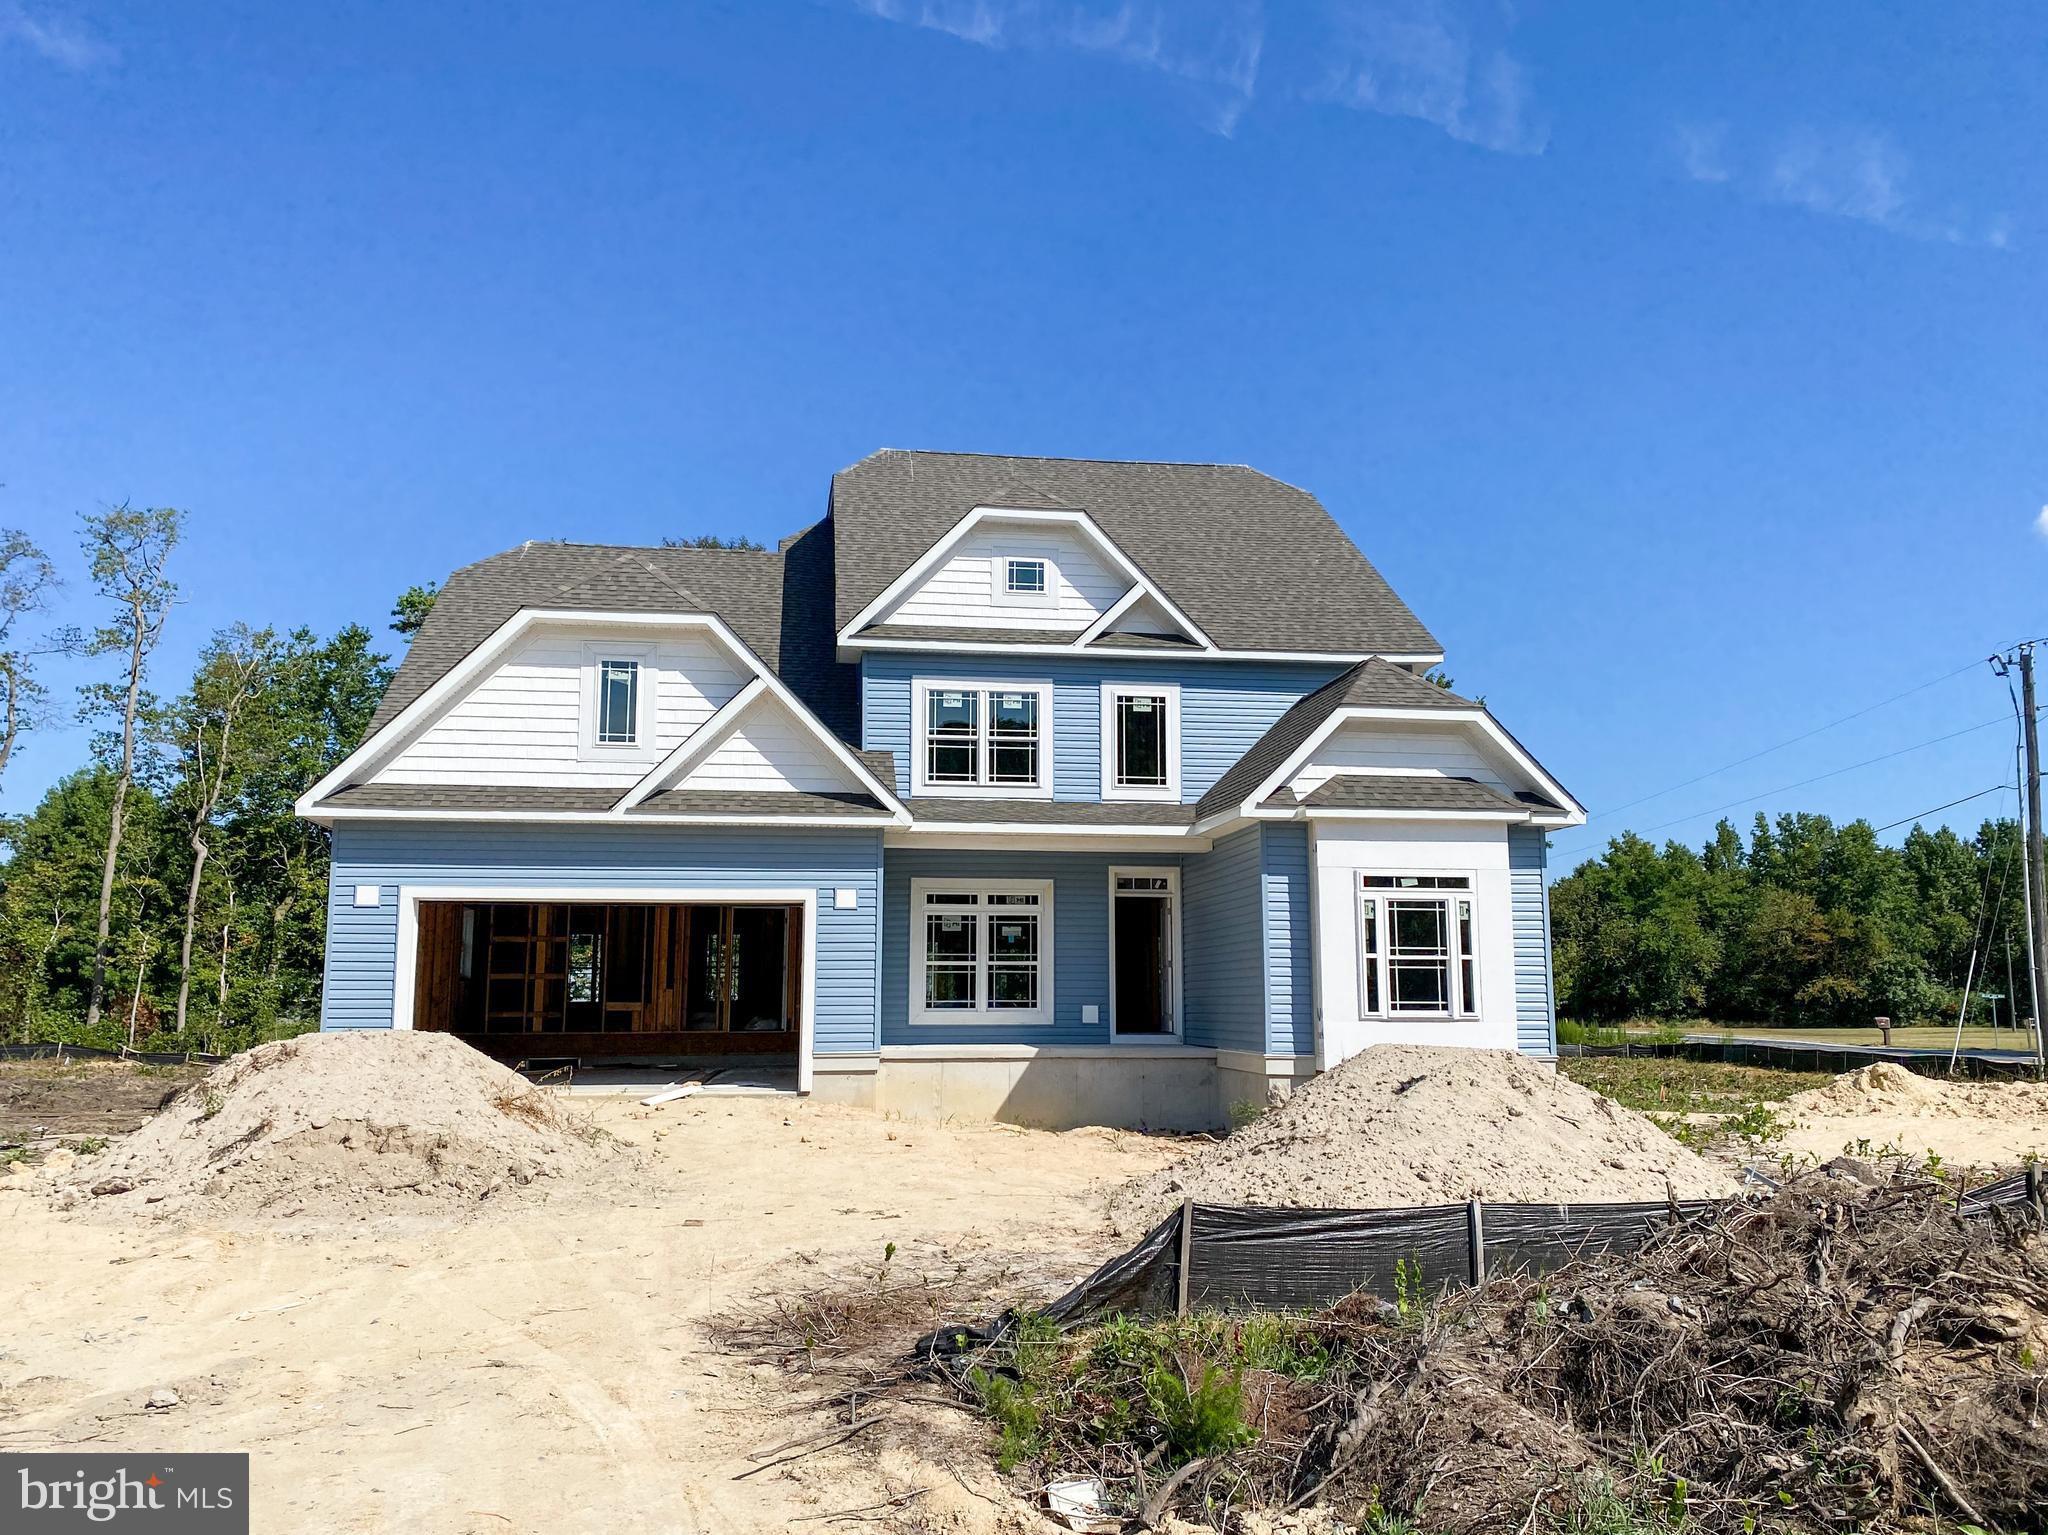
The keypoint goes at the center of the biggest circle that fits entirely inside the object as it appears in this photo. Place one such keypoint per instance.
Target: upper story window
(1417, 949)
(1025, 580)
(980, 738)
(1140, 741)
(618, 702)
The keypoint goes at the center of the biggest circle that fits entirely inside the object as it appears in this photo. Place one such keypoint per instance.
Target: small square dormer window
(1024, 578)
(618, 702)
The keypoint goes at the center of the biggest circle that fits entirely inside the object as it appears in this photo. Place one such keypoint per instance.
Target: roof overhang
(1253, 805)
(416, 716)
(1142, 586)
(996, 645)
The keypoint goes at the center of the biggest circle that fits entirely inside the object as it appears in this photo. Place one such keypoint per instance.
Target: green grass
(1697, 1102)
(1661, 1031)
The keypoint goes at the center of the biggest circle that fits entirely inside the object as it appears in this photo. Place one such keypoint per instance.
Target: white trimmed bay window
(982, 739)
(980, 951)
(1417, 948)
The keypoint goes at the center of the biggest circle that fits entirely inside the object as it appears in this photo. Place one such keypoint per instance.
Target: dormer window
(1024, 578)
(1140, 740)
(618, 702)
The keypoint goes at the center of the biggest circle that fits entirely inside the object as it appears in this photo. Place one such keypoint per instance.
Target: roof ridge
(1068, 458)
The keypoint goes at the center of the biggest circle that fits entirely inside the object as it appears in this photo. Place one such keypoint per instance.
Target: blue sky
(1683, 371)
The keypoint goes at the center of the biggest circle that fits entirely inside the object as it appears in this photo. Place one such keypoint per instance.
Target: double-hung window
(981, 951)
(1417, 952)
(983, 739)
(1140, 740)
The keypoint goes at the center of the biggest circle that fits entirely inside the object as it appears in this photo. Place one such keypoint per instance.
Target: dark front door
(1143, 963)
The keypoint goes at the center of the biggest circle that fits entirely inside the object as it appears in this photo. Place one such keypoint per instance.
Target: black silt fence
(1788, 1055)
(61, 1053)
(1239, 1258)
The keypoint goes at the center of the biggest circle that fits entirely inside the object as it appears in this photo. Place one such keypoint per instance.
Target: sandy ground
(546, 1369)
(1968, 1124)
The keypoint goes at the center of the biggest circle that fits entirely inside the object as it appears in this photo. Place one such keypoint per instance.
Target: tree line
(1805, 923)
(162, 893)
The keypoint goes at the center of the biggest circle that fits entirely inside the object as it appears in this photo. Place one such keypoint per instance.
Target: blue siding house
(1060, 790)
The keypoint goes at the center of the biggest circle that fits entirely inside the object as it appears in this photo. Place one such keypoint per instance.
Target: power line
(1997, 788)
(1818, 777)
(1794, 741)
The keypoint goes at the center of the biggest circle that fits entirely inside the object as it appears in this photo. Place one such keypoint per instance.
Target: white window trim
(982, 1015)
(1463, 1009)
(1111, 692)
(999, 580)
(1172, 877)
(921, 785)
(644, 747)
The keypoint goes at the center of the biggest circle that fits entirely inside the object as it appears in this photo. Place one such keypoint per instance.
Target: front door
(1141, 953)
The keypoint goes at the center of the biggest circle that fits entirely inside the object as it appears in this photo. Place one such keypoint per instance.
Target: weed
(1018, 1418)
(1411, 1300)
(1377, 1520)
(88, 1145)
(1207, 1418)
(1755, 1123)
(1244, 1111)
(13, 1154)
(211, 1104)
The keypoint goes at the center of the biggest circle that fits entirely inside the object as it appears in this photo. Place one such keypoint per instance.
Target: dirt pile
(1892, 1091)
(1401, 1125)
(342, 1125)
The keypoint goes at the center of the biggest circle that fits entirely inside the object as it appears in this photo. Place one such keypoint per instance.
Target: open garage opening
(705, 984)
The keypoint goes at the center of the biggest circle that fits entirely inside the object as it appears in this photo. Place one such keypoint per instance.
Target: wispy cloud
(2041, 522)
(63, 42)
(1213, 44)
(1855, 173)
(1438, 62)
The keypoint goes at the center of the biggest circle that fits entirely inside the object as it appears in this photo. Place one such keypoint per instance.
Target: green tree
(412, 608)
(26, 579)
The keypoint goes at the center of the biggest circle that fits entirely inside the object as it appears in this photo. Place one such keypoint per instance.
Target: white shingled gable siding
(1399, 747)
(962, 592)
(522, 723)
(769, 749)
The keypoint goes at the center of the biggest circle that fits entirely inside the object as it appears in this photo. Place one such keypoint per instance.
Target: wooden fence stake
(1475, 1240)
(1187, 1252)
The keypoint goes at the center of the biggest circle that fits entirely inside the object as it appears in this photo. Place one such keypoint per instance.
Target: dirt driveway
(546, 1370)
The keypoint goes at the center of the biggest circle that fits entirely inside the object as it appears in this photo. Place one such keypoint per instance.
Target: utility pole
(2037, 885)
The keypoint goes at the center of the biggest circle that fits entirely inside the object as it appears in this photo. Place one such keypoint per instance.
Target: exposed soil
(542, 1365)
(1967, 1123)
(1403, 1125)
(45, 1099)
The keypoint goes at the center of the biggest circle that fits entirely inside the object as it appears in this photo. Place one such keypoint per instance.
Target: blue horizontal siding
(1225, 707)
(1290, 1005)
(1080, 937)
(1223, 934)
(1535, 1010)
(362, 942)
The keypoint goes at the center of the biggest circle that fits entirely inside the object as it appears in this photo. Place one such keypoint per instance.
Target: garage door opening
(562, 979)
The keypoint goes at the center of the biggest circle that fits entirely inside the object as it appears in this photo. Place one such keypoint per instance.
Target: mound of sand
(1893, 1091)
(342, 1125)
(1401, 1125)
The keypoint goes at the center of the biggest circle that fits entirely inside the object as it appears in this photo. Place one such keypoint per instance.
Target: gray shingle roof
(742, 802)
(1371, 683)
(778, 603)
(1258, 564)
(1389, 791)
(1043, 812)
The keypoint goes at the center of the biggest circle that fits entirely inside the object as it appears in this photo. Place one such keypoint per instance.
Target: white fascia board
(409, 720)
(850, 647)
(694, 745)
(328, 815)
(1487, 724)
(1331, 813)
(1138, 840)
(1110, 615)
(1078, 520)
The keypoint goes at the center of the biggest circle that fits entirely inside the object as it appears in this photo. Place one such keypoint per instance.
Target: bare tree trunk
(96, 1004)
(10, 726)
(141, 968)
(221, 1004)
(202, 813)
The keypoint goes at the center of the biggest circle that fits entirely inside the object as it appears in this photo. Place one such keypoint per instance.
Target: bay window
(980, 951)
(1417, 949)
(987, 739)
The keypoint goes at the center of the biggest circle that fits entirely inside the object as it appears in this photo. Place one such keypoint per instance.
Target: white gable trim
(1488, 726)
(693, 745)
(852, 647)
(417, 715)
(1081, 522)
